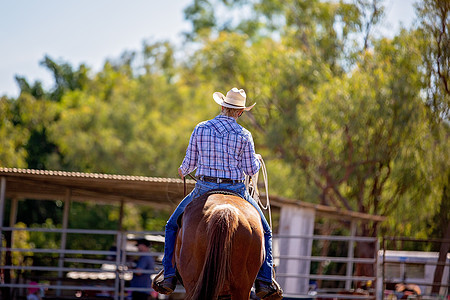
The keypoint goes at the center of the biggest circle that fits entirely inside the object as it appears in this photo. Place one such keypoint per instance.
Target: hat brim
(220, 99)
(141, 242)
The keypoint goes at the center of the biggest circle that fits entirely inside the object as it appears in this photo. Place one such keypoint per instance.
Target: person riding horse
(222, 151)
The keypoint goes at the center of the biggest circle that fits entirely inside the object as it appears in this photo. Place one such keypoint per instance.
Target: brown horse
(220, 248)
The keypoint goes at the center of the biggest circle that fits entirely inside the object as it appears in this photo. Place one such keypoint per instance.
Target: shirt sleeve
(250, 164)
(190, 161)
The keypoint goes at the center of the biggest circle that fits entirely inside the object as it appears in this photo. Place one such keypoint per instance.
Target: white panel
(295, 221)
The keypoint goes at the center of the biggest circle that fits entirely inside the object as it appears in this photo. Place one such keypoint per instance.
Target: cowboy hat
(234, 99)
(143, 242)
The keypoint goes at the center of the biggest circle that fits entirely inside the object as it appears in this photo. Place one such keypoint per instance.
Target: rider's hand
(180, 173)
(258, 156)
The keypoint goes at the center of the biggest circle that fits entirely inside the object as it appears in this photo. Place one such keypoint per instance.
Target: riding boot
(165, 286)
(264, 290)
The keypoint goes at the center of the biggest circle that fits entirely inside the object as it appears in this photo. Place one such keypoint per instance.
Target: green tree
(352, 139)
(435, 29)
(12, 136)
(341, 114)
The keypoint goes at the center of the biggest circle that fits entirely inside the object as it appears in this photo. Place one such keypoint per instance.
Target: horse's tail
(222, 223)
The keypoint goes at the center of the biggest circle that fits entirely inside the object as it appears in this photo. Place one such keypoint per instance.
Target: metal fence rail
(117, 273)
(426, 262)
(350, 280)
(110, 275)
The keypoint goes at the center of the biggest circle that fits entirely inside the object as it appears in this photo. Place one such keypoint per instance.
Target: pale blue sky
(90, 31)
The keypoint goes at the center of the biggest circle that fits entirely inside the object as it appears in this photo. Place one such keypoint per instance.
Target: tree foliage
(341, 115)
(435, 31)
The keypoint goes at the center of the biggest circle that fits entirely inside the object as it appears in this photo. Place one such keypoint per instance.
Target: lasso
(251, 184)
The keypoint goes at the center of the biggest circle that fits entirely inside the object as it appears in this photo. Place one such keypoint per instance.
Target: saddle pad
(217, 191)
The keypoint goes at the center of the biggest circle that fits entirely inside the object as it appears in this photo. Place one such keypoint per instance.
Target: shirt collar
(225, 123)
(226, 118)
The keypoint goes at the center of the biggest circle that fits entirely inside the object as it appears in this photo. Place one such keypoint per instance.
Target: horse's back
(246, 243)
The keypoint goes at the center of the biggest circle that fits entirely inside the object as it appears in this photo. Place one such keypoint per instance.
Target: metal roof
(107, 188)
(327, 211)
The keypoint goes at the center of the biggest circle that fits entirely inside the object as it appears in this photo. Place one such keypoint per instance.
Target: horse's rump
(220, 248)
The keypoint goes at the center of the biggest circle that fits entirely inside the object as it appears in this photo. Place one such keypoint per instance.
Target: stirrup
(165, 286)
(272, 290)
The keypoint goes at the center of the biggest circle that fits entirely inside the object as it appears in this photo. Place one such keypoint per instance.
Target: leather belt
(219, 180)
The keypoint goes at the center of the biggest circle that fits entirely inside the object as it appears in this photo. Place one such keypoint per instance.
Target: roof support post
(350, 255)
(119, 251)
(122, 204)
(2, 206)
(13, 212)
(12, 222)
(5, 290)
(65, 223)
(123, 259)
(2, 200)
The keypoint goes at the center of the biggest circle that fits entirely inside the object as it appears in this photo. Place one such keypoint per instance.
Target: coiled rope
(251, 184)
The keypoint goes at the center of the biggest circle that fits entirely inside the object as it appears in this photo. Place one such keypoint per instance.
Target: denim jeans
(201, 187)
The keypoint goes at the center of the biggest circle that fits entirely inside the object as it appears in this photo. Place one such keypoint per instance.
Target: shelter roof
(109, 188)
(104, 188)
(327, 211)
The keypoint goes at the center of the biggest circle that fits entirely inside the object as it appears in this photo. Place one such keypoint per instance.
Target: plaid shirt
(221, 148)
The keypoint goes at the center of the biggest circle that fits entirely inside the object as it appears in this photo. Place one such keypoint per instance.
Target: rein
(184, 183)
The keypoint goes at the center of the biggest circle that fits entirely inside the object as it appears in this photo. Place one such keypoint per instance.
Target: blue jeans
(201, 187)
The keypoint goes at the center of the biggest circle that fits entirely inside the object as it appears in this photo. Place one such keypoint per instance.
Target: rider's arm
(190, 161)
(250, 160)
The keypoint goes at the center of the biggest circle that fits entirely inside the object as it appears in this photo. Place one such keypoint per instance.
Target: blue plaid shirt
(221, 148)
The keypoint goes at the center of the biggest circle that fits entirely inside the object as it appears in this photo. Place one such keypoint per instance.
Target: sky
(91, 31)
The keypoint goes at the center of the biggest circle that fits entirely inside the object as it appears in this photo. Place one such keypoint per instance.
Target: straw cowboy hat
(234, 99)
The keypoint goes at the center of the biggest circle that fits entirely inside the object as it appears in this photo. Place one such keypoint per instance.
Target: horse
(219, 247)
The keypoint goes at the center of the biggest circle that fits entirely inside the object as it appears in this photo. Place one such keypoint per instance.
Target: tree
(340, 115)
(355, 139)
(125, 121)
(12, 136)
(34, 111)
(435, 23)
(434, 27)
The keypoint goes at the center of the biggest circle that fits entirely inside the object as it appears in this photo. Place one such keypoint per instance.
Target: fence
(73, 273)
(93, 273)
(90, 273)
(416, 269)
(345, 285)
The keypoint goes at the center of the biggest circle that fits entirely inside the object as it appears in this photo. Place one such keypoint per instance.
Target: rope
(251, 184)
